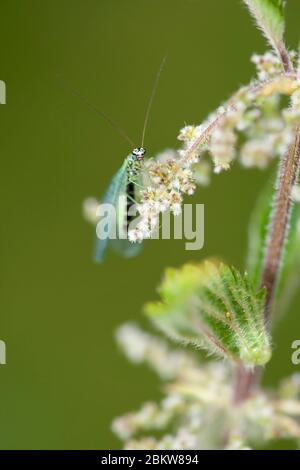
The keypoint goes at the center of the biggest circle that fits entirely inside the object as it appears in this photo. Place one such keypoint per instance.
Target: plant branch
(278, 231)
(244, 382)
(246, 379)
(285, 58)
(229, 106)
(287, 176)
(288, 170)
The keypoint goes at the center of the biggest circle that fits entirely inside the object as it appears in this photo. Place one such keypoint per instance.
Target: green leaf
(213, 306)
(288, 282)
(258, 226)
(290, 264)
(269, 17)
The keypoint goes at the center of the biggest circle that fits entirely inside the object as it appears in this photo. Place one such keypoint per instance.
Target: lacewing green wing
(123, 188)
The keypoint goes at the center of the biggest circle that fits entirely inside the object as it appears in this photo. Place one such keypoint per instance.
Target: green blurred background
(65, 378)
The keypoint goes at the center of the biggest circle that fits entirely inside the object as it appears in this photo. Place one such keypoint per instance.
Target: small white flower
(90, 210)
(172, 402)
(133, 341)
(125, 426)
(163, 206)
(267, 65)
(154, 221)
(132, 236)
(143, 230)
(256, 153)
(176, 184)
(186, 133)
(176, 208)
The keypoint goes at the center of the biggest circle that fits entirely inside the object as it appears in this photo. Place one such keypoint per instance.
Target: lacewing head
(139, 153)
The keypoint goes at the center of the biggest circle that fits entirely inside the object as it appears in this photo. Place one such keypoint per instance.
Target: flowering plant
(212, 306)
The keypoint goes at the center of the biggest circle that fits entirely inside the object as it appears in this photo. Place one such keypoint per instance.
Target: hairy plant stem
(245, 380)
(288, 171)
(278, 231)
(284, 57)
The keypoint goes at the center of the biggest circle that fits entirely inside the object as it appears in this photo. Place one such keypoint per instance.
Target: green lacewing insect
(122, 195)
(123, 190)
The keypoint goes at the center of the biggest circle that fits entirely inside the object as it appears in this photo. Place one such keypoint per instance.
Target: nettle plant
(220, 403)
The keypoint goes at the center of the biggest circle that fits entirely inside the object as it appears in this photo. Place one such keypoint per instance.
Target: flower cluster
(166, 180)
(267, 65)
(140, 347)
(211, 306)
(197, 412)
(252, 127)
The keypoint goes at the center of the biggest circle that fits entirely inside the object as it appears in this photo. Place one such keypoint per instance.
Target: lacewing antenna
(153, 93)
(94, 108)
